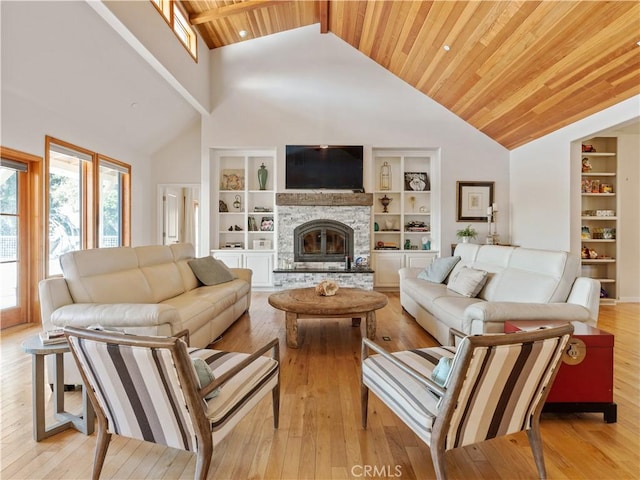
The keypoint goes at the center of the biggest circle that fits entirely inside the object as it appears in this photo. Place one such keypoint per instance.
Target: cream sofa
(522, 284)
(149, 290)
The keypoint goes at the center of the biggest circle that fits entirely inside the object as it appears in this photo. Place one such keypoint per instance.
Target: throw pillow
(439, 269)
(210, 271)
(205, 377)
(441, 372)
(467, 281)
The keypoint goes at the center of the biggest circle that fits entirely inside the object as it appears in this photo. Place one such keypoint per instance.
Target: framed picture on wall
(473, 199)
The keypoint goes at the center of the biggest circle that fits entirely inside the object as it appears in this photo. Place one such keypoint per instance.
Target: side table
(585, 378)
(83, 423)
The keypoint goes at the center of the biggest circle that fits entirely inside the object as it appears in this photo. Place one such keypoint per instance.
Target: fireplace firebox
(322, 240)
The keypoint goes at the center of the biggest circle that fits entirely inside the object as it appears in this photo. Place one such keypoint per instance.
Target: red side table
(585, 379)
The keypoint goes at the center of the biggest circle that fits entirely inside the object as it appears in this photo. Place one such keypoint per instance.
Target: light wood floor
(320, 435)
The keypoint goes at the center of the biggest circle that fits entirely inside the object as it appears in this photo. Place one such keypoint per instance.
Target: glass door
(13, 243)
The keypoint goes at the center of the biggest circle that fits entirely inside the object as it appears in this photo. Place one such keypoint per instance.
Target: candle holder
(492, 218)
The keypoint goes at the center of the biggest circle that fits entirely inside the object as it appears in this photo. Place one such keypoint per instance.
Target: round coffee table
(347, 302)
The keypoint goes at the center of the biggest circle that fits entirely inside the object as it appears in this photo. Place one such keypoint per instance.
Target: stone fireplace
(332, 223)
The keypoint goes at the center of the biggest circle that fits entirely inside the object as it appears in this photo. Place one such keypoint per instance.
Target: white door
(230, 259)
(419, 260)
(262, 265)
(386, 266)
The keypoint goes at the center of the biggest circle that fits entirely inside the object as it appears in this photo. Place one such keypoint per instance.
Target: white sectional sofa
(148, 290)
(522, 284)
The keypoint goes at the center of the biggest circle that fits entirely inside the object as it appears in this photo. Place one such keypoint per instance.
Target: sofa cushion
(162, 274)
(439, 269)
(105, 275)
(210, 271)
(467, 281)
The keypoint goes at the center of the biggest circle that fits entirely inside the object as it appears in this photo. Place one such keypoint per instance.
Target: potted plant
(467, 233)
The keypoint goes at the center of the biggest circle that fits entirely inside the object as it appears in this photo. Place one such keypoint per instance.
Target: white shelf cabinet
(599, 214)
(250, 212)
(243, 215)
(387, 263)
(260, 262)
(411, 188)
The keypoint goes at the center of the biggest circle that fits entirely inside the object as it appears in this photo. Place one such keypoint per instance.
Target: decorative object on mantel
(467, 233)
(385, 176)
(327, 288)
(237, 204)
(492, 218)
(473, 199)
(222, 207)
(263, 174)
(385, 201)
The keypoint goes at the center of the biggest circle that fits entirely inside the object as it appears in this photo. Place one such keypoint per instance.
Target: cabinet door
(386, 266)
(262, 266)
(230, 259)
(419, 260)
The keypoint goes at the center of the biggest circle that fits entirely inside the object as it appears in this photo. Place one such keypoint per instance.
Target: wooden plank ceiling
(516, 70)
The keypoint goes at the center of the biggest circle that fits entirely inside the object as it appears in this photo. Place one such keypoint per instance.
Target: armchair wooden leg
(535, 439)
(276, 405)
(203, 460)
(102, 445)
(439, 462)
(364, 404)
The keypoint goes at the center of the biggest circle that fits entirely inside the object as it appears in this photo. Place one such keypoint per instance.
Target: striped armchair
(147, 388)
(497, 385)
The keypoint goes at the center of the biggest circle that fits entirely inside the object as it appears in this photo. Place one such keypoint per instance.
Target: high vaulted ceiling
(516, 70)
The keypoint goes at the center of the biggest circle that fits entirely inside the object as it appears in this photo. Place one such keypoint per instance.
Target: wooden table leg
(292, 329)
(371, 325)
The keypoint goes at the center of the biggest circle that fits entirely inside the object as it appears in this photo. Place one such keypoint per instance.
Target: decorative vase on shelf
(385, 201)
(263, 173)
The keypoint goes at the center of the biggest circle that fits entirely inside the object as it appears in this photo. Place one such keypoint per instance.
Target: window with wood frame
(178, 20)
(88, 200)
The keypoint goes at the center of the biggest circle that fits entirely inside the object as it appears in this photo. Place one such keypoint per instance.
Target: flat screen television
(321, 167)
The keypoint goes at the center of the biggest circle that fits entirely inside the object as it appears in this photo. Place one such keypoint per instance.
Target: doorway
(20, 246)
(179, 214)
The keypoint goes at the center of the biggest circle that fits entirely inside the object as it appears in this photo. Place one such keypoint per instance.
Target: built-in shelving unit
(599, 209)
(243, 234)
(404, 232)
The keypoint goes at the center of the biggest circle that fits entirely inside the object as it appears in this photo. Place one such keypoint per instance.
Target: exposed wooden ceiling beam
(235, 9)
(324, 15)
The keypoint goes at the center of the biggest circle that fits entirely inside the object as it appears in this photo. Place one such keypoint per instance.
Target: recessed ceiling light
(446, 48)
(638, 43)
(242, 33)
(134, 105)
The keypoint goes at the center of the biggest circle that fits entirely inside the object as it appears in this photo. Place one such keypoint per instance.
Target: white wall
(301, 87)
(177, 163)
(545, 189)
(143, 20)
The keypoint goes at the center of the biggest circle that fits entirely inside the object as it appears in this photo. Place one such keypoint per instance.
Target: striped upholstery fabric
(138, 391)
(241, 393)
(415, 404)
(503, 385)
